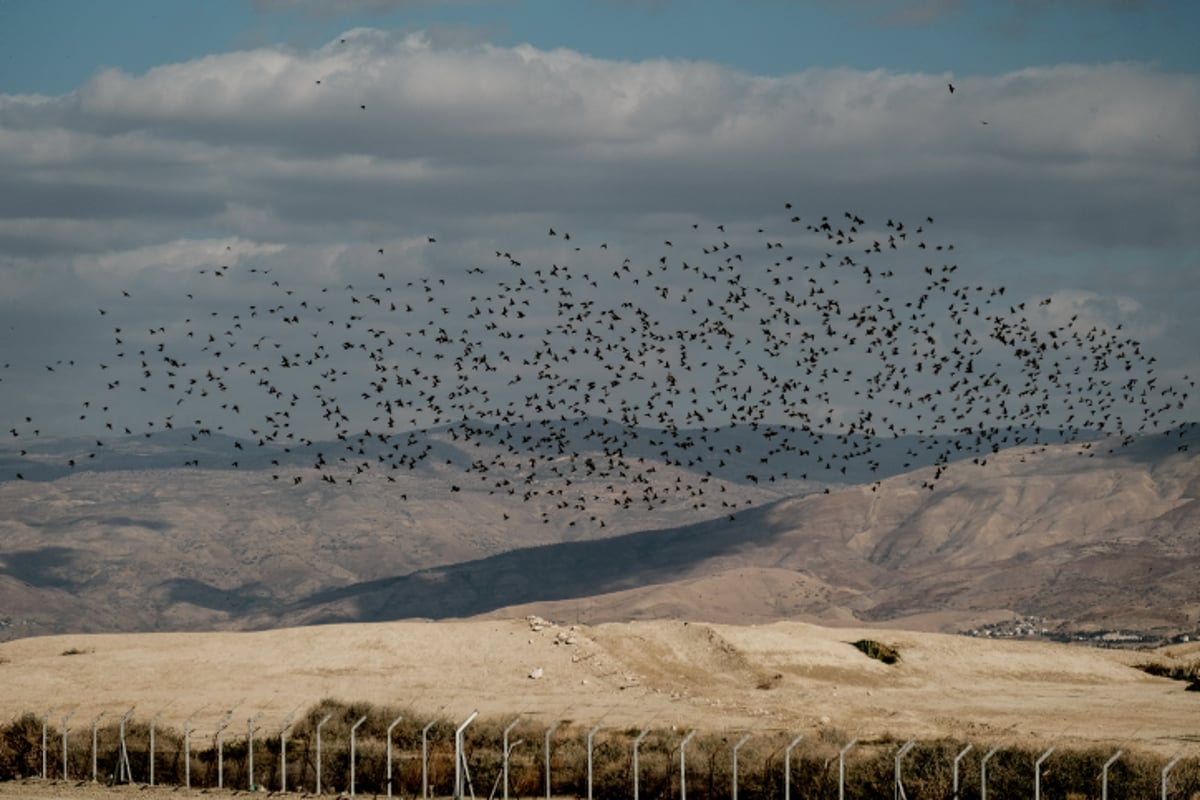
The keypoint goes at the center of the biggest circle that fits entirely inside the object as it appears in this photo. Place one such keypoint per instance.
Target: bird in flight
(785, 353)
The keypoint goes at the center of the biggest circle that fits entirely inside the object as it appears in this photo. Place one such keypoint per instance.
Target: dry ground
(770, 678)
(33, 789)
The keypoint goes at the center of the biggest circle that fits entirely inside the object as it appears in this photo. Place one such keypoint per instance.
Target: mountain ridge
(1092, 534)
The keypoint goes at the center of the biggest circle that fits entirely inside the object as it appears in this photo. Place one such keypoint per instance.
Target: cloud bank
(1070, 181)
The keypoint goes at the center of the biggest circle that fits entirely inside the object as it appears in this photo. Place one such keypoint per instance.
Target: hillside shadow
(44, 568)
(1154, 448)
(549, 572)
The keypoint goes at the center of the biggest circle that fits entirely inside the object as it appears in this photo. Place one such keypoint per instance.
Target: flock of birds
(817, 339)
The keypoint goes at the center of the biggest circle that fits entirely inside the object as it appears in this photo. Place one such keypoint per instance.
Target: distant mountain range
(738, 453)
(1090, 534)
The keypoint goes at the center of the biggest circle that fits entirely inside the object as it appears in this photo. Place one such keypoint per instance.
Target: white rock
(537, 673)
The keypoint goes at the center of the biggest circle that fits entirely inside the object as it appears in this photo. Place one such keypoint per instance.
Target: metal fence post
(591, 735)
(636, 742)
(390, 728)
(320, 725)
(283, 730)
(250, 750)
(549, 733)
(45, 725)
(787, 767)
(459, 756)
(187, 752)
(353, 735)
(508, 751)
(683, 765)
(842, 769)
(1037, 774)
(66, 719)
(1167, 769)
(957, 759)
(95, 723)
(1104, 774)
(983, 772)
(425, 761)
(734, 776)
(221, 749)
(900, 754)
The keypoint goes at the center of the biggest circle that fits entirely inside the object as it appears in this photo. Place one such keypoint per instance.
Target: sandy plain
(776, 678)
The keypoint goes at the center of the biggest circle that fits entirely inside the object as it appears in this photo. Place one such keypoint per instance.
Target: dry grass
(926, 769)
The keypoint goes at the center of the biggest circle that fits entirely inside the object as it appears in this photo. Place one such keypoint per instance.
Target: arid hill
(1088, 536)
(773, 679)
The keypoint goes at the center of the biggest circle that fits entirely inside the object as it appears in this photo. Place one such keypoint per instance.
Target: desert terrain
(770, 679)
(200, 595)
(1088, 537)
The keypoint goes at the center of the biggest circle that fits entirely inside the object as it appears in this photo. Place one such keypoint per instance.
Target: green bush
(878, 650)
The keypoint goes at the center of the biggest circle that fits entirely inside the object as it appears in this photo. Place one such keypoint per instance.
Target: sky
(144, 146)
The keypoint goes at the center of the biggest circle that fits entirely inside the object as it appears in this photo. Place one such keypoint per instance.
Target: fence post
(1167, 769)
(983, 772)
(320, 725)
(425, 760)
(900, 754)
(66, 719)
(549, 733)
(153, 725)
(123, 772)
(957, 759)
(283, 730)
(591, 735)
(507, 751)
(636, 742)
(250, 750)
(787, 767)
(459, 756)
(390, 728)
(842, 769)
(45, 725)
(353, 735)
(95, 723)
(221, 749)
(683, 764)
(1037, 774)
(1104, 774)
(187, 752)
(734, 776)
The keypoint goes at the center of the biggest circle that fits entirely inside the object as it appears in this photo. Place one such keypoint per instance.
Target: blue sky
(144, 143)
(51, 46)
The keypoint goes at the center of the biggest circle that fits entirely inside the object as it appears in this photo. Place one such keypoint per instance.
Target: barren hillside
(773, 678)
(1087, 536)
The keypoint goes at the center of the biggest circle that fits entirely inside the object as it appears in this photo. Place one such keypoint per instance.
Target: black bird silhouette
(762, 358)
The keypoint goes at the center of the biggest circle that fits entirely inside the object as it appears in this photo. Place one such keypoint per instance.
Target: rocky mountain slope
(1090, 535)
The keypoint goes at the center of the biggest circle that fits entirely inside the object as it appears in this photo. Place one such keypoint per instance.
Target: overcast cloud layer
(1078, 183)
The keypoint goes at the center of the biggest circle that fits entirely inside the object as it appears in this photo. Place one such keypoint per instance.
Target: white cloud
(181, 255)
(1083, 310)
(132, 177)
(468, 129)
